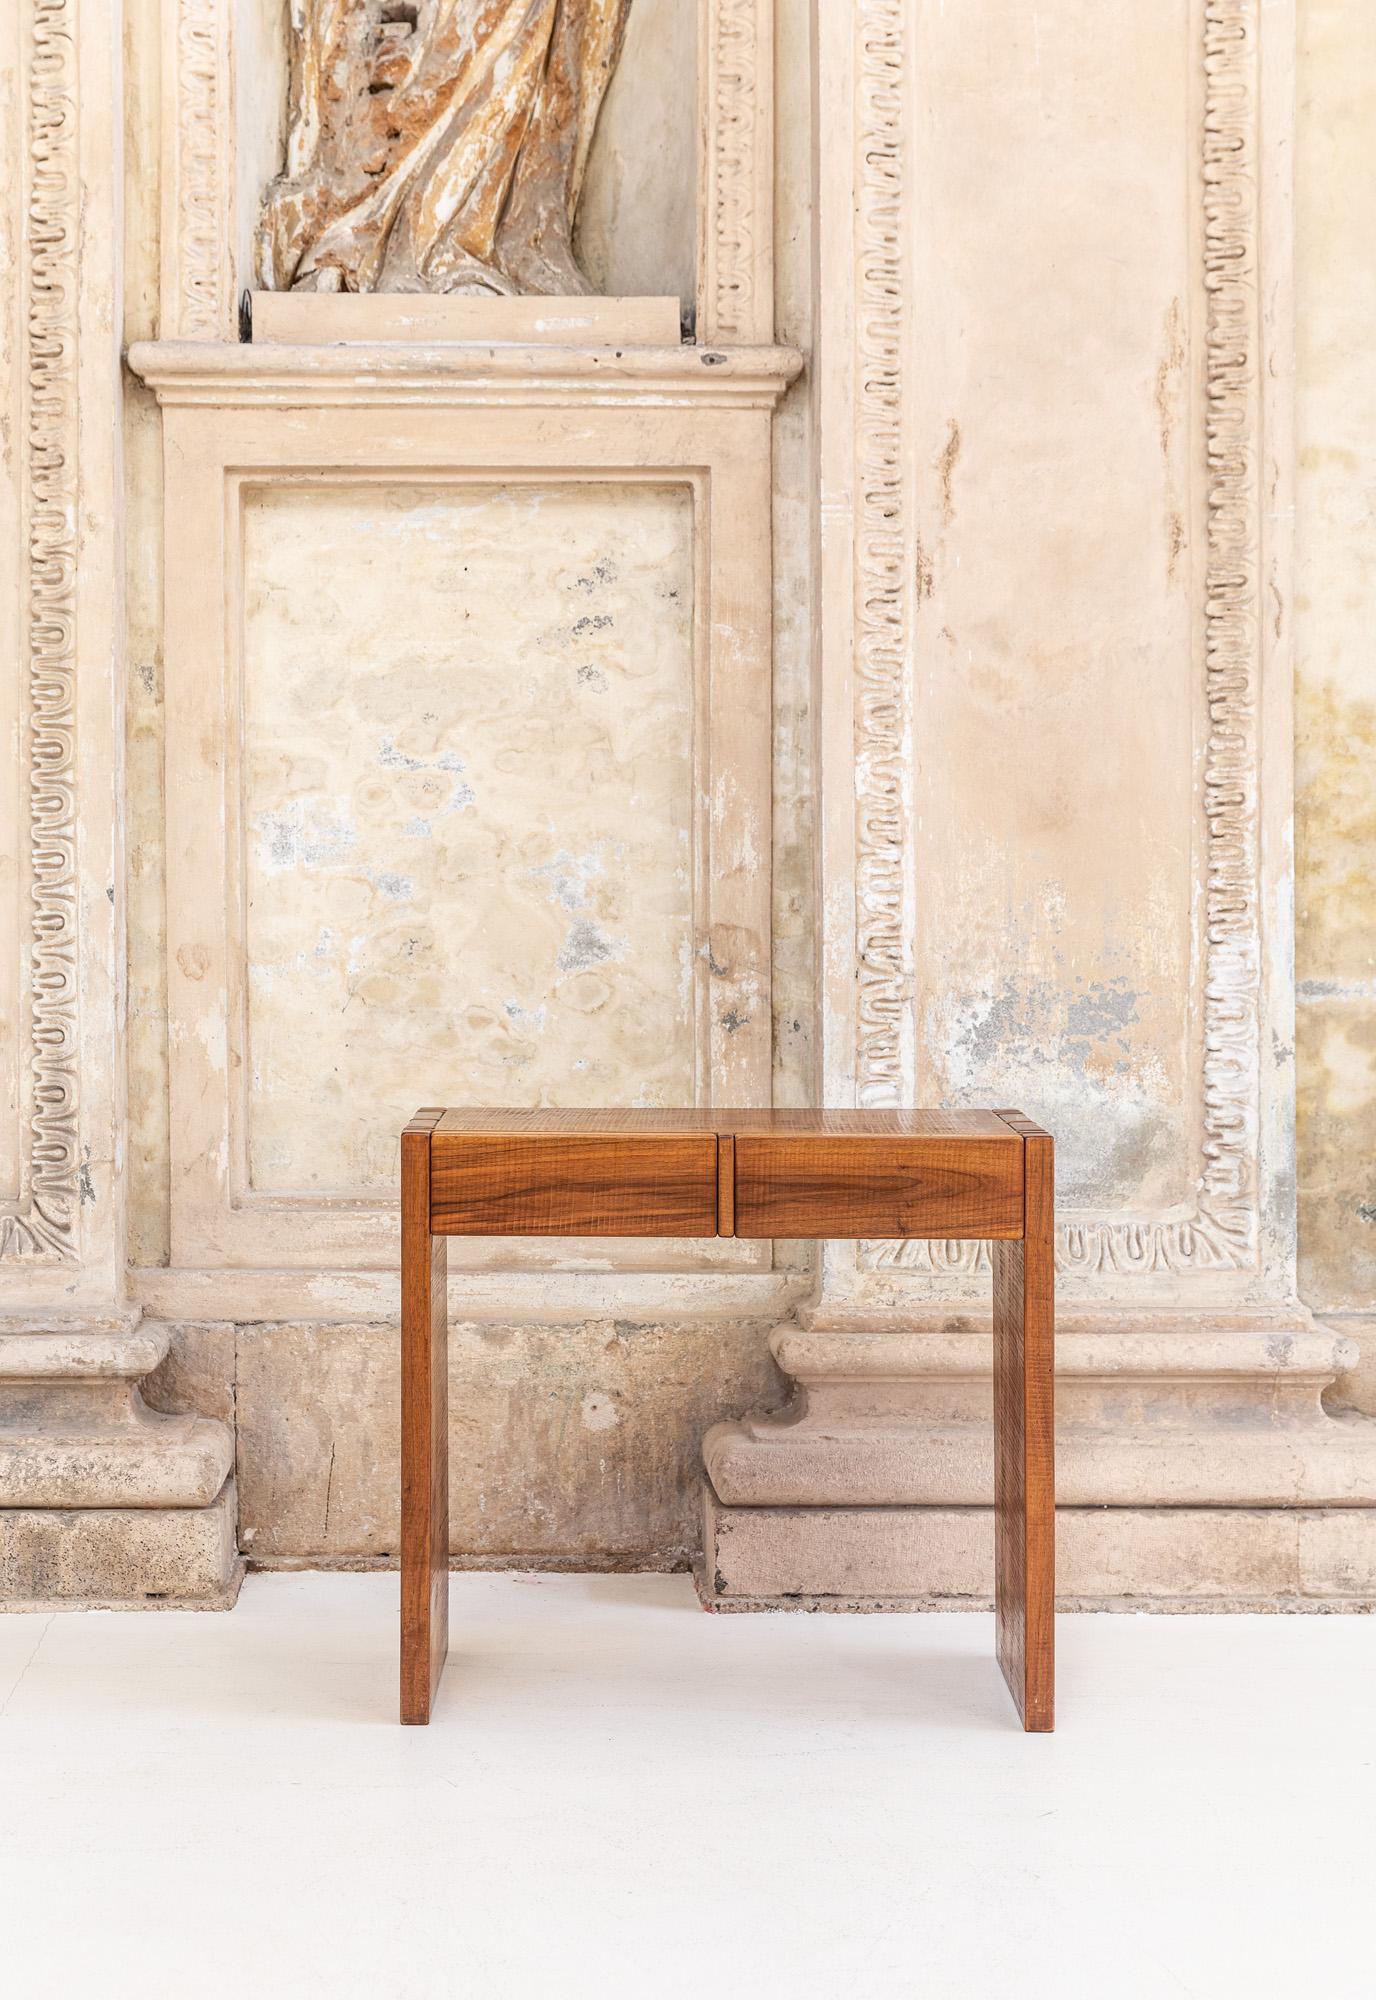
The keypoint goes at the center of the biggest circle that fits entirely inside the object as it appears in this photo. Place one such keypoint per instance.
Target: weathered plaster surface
(1050, 404)
(1335, 751)
(467, 786)
(567, 1441)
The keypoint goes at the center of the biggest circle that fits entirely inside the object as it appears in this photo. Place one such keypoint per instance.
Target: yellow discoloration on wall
(1336, 998)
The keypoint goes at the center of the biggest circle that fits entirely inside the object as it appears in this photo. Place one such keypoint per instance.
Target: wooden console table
(898, 1174)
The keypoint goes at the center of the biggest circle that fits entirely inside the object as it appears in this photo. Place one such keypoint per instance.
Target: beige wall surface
(1335, 748)
(1055, 635)
(637, 221)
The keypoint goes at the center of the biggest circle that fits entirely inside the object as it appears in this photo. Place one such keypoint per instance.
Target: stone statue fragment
(437, 146)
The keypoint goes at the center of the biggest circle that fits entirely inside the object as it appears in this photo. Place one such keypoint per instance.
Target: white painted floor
(620, 1796)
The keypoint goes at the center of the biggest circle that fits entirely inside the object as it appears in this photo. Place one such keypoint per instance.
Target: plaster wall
(1053, 927)
(1335, 749)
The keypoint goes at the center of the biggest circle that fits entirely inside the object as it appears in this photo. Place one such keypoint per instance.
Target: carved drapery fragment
(438, 146)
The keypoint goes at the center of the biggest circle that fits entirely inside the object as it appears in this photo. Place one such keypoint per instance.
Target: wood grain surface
(850, 1184)
(726, 1184)
(1024, 1441)
(575, 1183)
(797, 1123)
(492, 1121)
(424, 1431)
(489, 1121)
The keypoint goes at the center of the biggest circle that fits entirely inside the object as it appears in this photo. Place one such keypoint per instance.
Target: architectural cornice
(459, 374)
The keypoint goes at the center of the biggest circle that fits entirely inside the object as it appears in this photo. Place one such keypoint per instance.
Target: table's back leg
(1024, 1474)
(424, 1432)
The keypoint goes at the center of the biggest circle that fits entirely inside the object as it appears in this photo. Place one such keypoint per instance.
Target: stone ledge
(911, 1558)
(458, 374)
(152, 1461)
(146, 1558)
(1183, 1413)
(1328, 1461)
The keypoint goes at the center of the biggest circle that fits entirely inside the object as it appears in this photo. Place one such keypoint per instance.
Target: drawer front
(574, 1184)
(878, 1187)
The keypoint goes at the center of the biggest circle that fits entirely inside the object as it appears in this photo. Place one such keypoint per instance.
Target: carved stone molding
(883, 609)
(453, 375)
(43, 1224)
(1222, 1228)
(736, 174)
(197, 285)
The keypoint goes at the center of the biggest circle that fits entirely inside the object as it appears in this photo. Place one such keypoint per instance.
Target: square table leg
(1024, 1473)
(424, 1433)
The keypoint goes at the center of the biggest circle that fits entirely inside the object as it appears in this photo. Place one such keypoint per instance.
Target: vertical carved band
(1232, 994)
(198, 278)
(1224, 1231)
(736, 204)
(44, 1225)
(882, 569)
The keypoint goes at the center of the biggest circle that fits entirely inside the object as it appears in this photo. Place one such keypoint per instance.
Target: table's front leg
(424, 1436)
(1024, 1475)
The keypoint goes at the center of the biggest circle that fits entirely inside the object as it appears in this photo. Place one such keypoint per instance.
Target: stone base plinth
(145, 1558)
(104, 1501)
(1156, 1558)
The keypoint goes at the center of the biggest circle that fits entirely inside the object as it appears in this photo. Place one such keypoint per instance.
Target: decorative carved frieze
(883, 608)
(197, 290)
(736, 185)
(43, 1224)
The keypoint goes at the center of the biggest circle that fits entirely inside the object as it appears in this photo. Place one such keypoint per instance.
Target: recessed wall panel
(465, 802)
(1059, 683)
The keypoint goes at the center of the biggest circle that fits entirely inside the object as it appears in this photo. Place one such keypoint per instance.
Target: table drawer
(574, 1184)
(878, 1187)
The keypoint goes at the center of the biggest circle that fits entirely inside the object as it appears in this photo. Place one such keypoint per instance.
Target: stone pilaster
(101, 1500)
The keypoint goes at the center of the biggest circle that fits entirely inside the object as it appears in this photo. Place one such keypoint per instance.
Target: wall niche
(672, 156)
